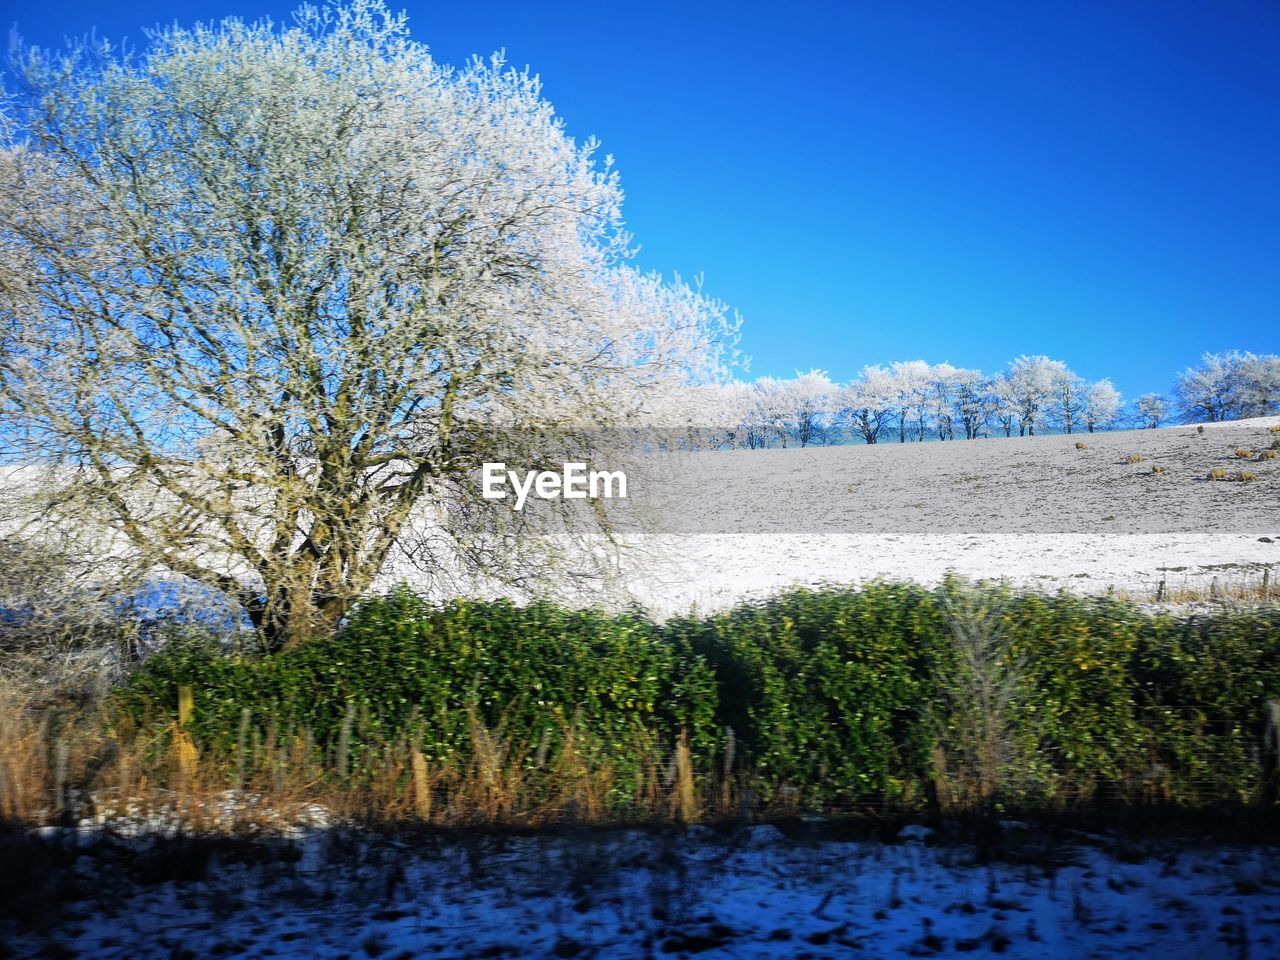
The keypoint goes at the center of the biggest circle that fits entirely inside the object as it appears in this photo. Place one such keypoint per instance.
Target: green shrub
(1201, 686)
(844, 695)
(1076, 700)
(407, 669)
(834, 696)
(824, 688)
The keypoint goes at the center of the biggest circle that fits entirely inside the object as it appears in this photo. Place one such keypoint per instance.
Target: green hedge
(823, 689)
(836, 696)
(402, 668)
(1201, 686)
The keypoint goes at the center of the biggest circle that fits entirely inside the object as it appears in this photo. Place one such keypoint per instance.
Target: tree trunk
(306, 599)
(300, 619)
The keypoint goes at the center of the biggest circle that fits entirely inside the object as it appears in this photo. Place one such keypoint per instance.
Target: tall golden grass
(1245, 587)
(68, 766)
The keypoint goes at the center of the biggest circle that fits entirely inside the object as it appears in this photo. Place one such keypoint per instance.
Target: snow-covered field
(707, 573)
(625, 894)
(1033, 511)
(706, 530)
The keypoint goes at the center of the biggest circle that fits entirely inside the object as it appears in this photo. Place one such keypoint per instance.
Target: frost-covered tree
(972, 400)
(911, 384)
(1209, 391)
(1151, 409)
(729, 409)
(869, 402)
(1228, 386)
(1069, 399)
(771, 408)
(1031, 390)
(1005, 407)
(270, 294)
(1102, 405)
(755, 430)
(810, 401)
(941, 406)
(1261, 390)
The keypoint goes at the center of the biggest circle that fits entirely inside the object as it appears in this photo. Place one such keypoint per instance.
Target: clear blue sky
(877, 181)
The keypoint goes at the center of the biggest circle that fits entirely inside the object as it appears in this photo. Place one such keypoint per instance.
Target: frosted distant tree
(1215, 390)
(702, 417)
(1102, 405)
(1005, 406)
(1261, 388)
(869, 402)
(729, 407)
(942, 388)
(771, 408)
(912, 392)
(972, 400)
(1069, 399)
(269, 294)
(756, 428)
(810, 401)
(1152, 410)
(1031, 388)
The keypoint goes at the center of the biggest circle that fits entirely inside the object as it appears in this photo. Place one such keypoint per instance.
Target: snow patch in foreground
(636, 894)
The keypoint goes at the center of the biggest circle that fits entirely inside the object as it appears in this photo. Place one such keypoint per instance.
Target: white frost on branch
(269, 294)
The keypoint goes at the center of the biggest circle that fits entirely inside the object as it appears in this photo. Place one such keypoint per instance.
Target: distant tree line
(912, 401)
(1229, 386)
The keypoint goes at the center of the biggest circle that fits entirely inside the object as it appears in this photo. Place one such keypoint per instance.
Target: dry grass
(1274, 429)
(1242, 453)
(1268, 454)
(63, 766)
(1248, 587)
(1157, 469)
(1240, 476)
(1081, 445)
(1135, 458)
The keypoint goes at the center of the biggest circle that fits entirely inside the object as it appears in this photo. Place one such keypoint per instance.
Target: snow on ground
(1017, 485)
(706, 530)
(635, 894)
(712, 572)
(1032, 511)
